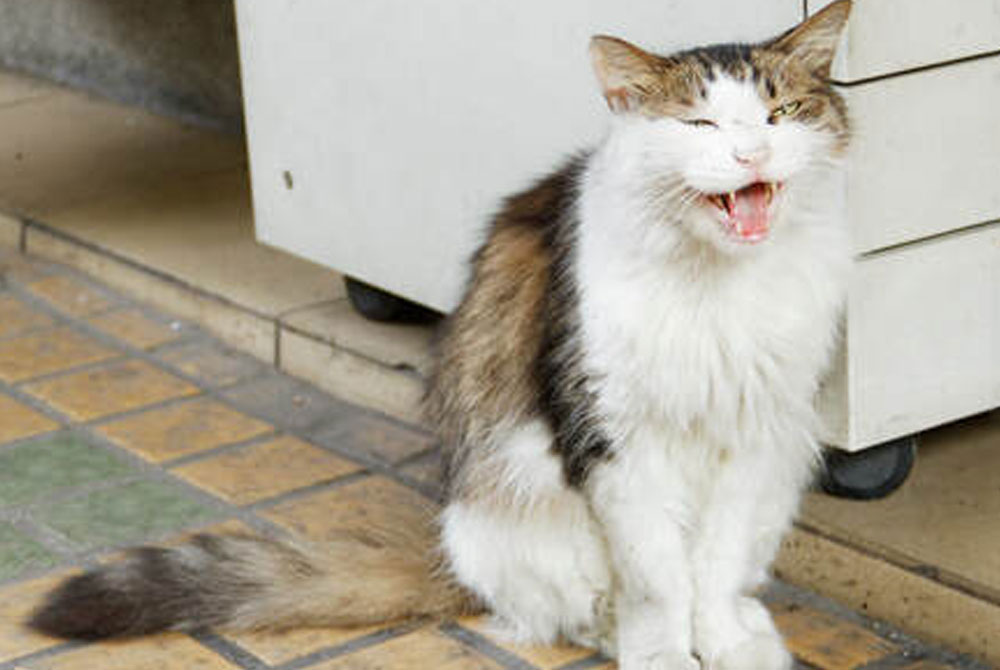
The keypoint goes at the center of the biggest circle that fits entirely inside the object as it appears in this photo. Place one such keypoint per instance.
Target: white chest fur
(730, 346)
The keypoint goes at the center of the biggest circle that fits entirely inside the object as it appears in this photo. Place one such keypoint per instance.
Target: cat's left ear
(814, 41)
(624, 71)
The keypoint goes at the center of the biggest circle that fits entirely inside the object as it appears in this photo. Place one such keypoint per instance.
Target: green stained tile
(36, 470)
(19, 553)
(125, 514)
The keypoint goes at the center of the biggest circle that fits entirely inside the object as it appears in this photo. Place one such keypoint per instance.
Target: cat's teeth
(769, 192)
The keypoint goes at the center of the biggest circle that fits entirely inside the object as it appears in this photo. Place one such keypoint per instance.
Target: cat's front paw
(758, 652)
(664, 660)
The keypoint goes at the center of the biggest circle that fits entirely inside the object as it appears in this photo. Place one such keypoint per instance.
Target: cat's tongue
(750, 212)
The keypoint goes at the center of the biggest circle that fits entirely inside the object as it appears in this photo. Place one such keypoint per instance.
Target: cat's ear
(623, 70)
(814, 41)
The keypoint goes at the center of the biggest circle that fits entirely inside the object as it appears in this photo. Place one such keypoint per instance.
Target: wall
(177, 57)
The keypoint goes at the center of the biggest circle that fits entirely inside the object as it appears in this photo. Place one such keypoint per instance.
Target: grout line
(230, 651)
(305, 491)
(351, 646)
(483, 645)
(25, 662)
(917, 69)
(585, 663)
(218, 450)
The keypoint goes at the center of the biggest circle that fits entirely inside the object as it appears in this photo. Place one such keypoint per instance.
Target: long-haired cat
(626, 393)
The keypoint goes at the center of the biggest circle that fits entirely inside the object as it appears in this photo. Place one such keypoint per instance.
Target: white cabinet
(382, 134)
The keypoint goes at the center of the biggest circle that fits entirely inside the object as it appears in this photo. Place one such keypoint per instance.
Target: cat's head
(727, 131)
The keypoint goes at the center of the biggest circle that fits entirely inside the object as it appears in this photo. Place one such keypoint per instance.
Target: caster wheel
(871, 473)
(378, 305)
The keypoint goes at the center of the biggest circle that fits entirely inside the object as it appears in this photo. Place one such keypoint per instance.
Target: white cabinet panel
(382, 133)
(923, 344)
(926, 153)
(888, 36)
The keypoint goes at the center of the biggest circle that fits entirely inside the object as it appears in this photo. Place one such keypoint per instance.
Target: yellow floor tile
(17, 601)
(425, 648)
(279, 648)
(373, 502)
(185, 428)
(16, 317)
(265, 470)
(19, 420)
(135, 329)
(110, 389)
(162, 652)
(70, 296)
(826, 641)
(48, 351)
(543, 657)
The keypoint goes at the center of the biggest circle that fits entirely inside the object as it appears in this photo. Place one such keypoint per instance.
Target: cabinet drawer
(887, 36)
(925, 155)
(923, 339)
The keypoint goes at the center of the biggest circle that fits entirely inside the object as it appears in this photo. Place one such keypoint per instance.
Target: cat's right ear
(623, 70)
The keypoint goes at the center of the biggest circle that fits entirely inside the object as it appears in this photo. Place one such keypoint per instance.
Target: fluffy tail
(249, 582)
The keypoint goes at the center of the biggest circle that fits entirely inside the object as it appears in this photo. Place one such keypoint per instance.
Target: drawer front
(887, 36)
(926, 153)
(923, 344)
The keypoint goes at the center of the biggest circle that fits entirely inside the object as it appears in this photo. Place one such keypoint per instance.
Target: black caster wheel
(871, 473)
(378, 305)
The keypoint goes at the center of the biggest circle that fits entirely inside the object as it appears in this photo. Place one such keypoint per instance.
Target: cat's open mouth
(746, 213)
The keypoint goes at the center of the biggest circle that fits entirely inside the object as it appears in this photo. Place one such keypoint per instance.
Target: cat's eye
(700, 123)
(786, 109)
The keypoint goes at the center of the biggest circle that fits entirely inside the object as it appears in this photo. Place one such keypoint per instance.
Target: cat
(625, 393)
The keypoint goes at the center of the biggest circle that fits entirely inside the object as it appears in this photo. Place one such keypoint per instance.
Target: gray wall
(177, 57)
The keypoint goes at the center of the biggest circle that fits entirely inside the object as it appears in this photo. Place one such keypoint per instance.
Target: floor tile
(542, 657)
(201, 229)
(19, 420)
(370, 503)
(20, 552)
(352, 377)
(210, 363)
(16, 317)
(286, 401)
(433, 648)
(394, 344)
(135, 329)
(945, 514)
(71, 295)
(162, 652)
(71, 148)
(428, 471)
(381, 438)
(110, 389)
(48, 351)
(259, 471)
(180, 429)
(21, 269)
(17, 601)
(36, 470)
(124, 514)
(16, 88)
(279, 648)
(235, 326)
(827, 641)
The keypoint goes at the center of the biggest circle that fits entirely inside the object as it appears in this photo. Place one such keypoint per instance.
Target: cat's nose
(752, 155)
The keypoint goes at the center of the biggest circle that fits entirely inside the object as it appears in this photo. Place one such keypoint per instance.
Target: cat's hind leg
(533, 554)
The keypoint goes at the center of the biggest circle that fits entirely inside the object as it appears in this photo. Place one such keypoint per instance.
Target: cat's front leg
(751, 502)
(643, 518)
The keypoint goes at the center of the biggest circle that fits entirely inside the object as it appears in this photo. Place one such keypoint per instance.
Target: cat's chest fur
(732, 348)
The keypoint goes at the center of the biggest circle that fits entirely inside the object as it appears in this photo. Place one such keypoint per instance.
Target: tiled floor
(119, 424)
